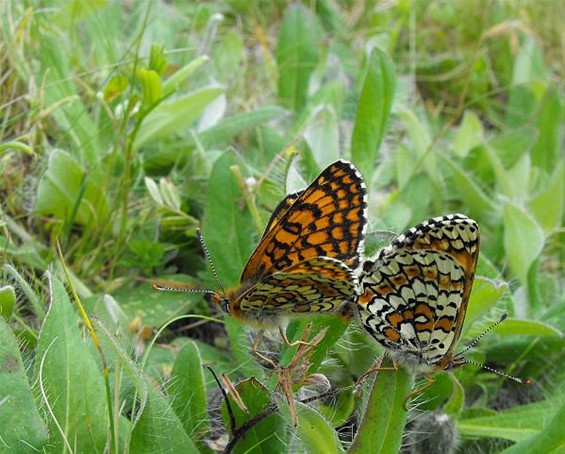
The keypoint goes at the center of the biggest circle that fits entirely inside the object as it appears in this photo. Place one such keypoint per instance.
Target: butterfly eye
(225, 305)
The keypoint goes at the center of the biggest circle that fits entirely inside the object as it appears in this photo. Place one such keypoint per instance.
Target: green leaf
(227, 226)
(485, 295)
(21, 428)
(514, 327)
(479, 204)
(523, 240)
(469, 134)
(226, 129)
(528, 69)
(373, 111)
(175, 116)
(179, 76)
(157, 60)
(230, 57)
(504, 181)
(315, 432)
(547, 206)
(66, 191)
(516, 424)
(151, 89)
(7, 301)
(512, 144)
(382, 424)
(297, 55)
(549, 146)
(322, 136)
(419, 133)
(71, 381)
(187, 390)
(158, 429)
(269, 435)
(551, 440)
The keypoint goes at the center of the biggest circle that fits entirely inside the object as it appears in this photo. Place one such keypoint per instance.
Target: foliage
(127, 126)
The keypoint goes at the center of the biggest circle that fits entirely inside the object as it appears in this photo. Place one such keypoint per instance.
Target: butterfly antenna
(480, 336)
(163, 288)
(209, 258)
(523, 381)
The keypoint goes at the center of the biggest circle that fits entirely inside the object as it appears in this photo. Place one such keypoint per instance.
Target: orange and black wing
(318, 285)
(280, 210)
(415, 292)
(328, 219)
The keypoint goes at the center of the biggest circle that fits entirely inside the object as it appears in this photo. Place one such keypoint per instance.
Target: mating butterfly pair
(411, 297)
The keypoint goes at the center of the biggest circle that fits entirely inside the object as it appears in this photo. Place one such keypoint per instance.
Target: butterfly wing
(321, 284)
(326, 220)
(416, 291)
(280, 210)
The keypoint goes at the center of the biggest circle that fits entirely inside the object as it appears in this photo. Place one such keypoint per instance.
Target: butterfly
(304, 261)
(414, 294)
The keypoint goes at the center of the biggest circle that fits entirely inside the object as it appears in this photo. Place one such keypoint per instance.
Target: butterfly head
(222, 300)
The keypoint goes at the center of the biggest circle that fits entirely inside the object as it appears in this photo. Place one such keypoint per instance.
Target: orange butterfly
(303, 263)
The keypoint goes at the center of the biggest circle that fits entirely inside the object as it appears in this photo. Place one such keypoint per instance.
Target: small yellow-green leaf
(7, 301)
(150, 87)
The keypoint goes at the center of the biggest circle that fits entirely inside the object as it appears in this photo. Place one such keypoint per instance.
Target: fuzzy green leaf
(158, 430)
(71, 380)
(187, 390)
(316, 433)
(382, 425)
(21, 428)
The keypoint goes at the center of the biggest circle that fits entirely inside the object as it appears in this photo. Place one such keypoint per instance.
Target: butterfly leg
(289, 344)
(258, 354)
(373, 369)
(418, 391)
